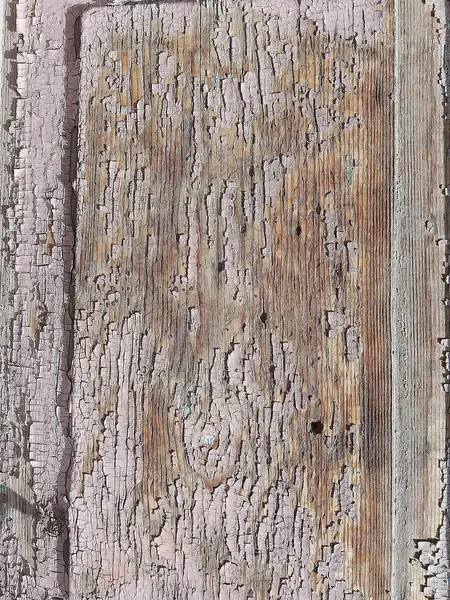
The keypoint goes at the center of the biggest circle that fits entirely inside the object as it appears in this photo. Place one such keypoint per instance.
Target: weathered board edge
(419, 322)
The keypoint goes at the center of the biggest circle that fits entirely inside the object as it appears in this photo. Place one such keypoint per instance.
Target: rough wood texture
(419, 405)
(230, 385)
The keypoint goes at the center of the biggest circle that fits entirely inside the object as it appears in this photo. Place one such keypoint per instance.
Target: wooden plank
(420, 535)
(277, 165)
(231, 400)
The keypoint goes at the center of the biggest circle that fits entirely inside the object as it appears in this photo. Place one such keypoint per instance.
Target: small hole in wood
(316, 427)
(263, 318)
(221, 265)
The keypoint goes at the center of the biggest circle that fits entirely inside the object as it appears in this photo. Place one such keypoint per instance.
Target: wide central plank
(231, 395)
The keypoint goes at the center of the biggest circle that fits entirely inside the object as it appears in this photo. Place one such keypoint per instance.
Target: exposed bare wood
(418, 323)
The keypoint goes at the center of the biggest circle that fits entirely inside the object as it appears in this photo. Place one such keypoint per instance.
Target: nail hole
(316, 427)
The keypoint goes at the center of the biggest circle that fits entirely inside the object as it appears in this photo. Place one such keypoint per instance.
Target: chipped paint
(182, 424)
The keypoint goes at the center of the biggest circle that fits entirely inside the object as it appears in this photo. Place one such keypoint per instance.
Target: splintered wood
(231, 370)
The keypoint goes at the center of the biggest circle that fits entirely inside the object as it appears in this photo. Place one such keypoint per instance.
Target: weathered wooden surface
(418, 314)
(230, 385)
(231, 322)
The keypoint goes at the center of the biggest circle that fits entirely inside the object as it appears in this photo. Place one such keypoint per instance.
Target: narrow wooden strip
(419, 417)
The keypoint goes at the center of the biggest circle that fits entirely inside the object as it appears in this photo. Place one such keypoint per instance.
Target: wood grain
(231, 362)
(419, 404)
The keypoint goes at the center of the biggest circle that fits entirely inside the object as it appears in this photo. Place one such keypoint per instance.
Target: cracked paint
(197, 364)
